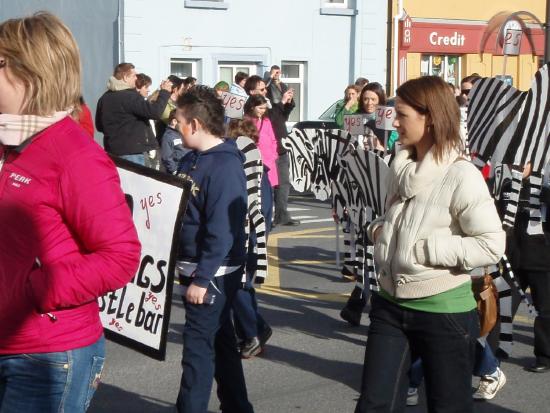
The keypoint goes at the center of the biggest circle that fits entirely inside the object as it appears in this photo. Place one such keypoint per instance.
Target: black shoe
(538, 367)
(265, 335)
(251, 348)
(292, 223)
(352, 317)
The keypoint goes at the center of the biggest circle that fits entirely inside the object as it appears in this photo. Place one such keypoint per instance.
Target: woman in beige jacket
(440, 223)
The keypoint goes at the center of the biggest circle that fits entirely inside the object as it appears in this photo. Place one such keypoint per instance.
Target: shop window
(183, 68)
(228, 70)
(445, 66)
(294, 75)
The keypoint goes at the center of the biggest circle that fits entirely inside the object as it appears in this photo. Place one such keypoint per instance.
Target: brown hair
(376, 88)
(142, 80)
(242, 127)
(202, 103)
(123, 69)
(41, 51)
(429, 95)
(354, 87)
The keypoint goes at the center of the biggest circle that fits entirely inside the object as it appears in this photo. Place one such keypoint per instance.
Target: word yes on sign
(233, 104)
(354, 124)
(385, 115)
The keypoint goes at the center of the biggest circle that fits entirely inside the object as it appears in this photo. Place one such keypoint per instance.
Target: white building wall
(262, 31)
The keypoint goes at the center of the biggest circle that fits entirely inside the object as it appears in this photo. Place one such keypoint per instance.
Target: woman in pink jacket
(255, 109)
(67, 233)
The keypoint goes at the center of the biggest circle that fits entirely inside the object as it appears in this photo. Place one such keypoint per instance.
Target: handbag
(486, 296)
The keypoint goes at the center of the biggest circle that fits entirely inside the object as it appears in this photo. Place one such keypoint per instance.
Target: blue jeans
(51, 382)
(138, 158)
(210, 351)
(444, 341)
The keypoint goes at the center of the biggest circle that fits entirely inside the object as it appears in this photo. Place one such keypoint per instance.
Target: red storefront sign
(445, 38)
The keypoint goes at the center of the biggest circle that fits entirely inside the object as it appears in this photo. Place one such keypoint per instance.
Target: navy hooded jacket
(213, 229)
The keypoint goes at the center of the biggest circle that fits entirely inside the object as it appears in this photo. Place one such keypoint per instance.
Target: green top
(458, 300)
(170, 106)
(340, 111)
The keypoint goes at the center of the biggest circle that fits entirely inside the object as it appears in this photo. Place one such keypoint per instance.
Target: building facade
(321, 45)
(468, 39)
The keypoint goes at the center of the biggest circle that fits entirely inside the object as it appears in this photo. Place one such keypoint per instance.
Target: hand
(287, 96)
(352, 101)
(195, 294)
(166, 85)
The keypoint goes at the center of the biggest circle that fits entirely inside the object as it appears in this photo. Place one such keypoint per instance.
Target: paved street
(313, 361)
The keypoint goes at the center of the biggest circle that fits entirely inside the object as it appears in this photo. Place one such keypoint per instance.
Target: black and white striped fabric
(507, 126)
(253, 168)
(312, 155)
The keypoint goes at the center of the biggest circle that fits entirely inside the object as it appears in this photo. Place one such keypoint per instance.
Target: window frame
(301, 80)
(206, 4)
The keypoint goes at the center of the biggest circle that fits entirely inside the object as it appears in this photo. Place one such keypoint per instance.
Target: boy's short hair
(222, 85)
(41, 52)
(202, 103)
(122, 69)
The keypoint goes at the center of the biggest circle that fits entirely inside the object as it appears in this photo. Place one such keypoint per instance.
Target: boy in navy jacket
(211, 256)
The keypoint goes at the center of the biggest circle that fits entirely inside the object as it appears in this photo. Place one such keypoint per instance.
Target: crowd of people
(66, 243)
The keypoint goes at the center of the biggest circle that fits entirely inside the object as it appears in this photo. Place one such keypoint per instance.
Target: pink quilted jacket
(66, 237)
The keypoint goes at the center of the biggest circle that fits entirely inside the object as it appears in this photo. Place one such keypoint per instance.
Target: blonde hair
(41, 52)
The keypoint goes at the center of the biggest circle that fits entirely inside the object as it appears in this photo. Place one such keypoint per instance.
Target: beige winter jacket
(440, 223)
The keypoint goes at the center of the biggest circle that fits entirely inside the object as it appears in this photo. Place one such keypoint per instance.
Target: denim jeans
(444, 341)
(282, 191)
(138, 158)
(210, 351)
(51, 382)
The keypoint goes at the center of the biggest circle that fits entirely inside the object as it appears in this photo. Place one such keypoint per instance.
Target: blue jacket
(213, 229)
(171, 149)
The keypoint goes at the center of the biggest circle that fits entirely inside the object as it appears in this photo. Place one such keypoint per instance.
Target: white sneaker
(412, 396)
(489, 386)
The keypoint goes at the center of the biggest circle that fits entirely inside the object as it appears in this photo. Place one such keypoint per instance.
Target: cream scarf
(16, 129)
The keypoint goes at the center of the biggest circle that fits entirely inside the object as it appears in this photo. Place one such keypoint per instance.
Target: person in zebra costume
(251, 328)
(510, 129)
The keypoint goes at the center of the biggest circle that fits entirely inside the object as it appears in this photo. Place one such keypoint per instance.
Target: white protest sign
(233, 104)
(137, 315)
(512, 42)
(354, 124)
(385, 115)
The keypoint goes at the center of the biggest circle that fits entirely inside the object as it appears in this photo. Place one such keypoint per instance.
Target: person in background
(237, 88)
(171, 148)
(372, 96)
(361, 82)
(255, 110)
(221, 87)
(440, 223)
(211, 256)
(275, 87)
(467, 84)
(175, 92)
(67, 232)
(143, 83)
(188, 83)
(84, 118)
(348, 106)
(123, 116)
(251, 328)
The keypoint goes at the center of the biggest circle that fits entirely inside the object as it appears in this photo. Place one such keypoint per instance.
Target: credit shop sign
(138, 314)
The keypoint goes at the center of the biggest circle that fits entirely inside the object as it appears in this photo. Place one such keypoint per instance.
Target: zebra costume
(253, 169)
